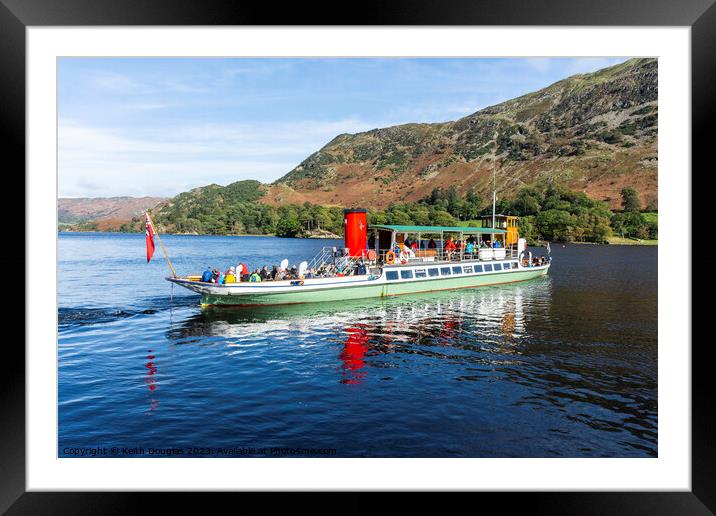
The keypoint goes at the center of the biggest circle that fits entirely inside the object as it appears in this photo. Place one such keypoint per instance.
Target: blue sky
(150, 126)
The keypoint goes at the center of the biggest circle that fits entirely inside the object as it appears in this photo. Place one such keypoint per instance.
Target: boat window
(514, 265)
(406, 274)
(468, 270)
(420, 273)
(391, 275)
(478, 268)
(445, 271)
(457, 270)
(488, 267)
(433, 272)
(498, 266)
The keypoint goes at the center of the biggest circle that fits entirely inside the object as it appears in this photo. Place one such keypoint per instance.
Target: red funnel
(356, 231)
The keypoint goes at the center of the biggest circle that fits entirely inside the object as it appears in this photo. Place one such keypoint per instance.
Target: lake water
(564, 366)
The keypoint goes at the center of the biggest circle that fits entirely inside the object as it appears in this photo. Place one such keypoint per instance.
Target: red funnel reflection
(353, 354)
(448, 331)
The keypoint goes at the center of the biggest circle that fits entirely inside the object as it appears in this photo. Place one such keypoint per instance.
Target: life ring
(390, 257)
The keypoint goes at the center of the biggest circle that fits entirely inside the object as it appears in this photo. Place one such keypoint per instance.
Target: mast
(494, 184)
(161, 244)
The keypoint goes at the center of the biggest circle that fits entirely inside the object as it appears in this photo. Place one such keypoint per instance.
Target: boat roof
(435, 229)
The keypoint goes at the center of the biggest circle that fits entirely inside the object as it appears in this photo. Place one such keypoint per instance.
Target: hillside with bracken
(595, 133)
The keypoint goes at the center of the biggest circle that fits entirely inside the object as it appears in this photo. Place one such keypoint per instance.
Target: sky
(158, 127)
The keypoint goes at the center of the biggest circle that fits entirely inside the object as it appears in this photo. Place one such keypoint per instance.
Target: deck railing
(334, 259)
(441, 255)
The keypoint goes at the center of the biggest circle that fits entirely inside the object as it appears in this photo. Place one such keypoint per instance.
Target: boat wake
(83, 316)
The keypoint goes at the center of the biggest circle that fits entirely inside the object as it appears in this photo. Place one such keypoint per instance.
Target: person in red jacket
(450, 247)
(242, 271)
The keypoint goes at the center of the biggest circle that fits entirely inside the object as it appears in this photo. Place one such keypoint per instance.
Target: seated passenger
(206, 276)
(469, 247)
(497, 244)
(432, 244)
(242, 272)
(255, 276)
(264, 273)
(230, 275)
(360, 269)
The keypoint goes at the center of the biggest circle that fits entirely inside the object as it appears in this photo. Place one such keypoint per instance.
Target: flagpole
(161, 244)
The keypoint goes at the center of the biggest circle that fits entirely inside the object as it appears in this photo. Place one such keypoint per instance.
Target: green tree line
(547, 212)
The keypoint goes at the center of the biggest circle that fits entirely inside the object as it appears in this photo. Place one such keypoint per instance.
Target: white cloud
(117, 83)
(99, 162)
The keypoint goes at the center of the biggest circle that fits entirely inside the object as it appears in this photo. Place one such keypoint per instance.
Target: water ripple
(563, 366)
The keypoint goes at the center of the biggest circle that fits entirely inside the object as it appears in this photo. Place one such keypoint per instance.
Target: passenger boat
(427, 269)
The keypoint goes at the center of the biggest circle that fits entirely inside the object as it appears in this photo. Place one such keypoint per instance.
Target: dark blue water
(564, 366)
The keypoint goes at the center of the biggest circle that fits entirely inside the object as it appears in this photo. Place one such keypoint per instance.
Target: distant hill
(593, 132)
(107, 212)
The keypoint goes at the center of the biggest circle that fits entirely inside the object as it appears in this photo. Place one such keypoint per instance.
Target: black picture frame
(17, 15)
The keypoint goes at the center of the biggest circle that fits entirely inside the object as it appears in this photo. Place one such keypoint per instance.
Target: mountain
(594, 132)
(106, 212)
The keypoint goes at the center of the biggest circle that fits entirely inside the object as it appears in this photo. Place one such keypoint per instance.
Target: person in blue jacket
(206, 277)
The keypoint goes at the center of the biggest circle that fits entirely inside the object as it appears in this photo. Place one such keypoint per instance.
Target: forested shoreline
(547, 213)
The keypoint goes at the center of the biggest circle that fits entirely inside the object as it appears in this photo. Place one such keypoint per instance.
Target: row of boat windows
(454, 270)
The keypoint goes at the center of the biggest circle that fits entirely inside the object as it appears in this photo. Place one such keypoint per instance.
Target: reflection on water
(481, 335)
(484, 327)
(151, 379)
(561, 366)
(486, 323)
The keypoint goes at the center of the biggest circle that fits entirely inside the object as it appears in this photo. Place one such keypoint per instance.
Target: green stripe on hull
(374, 290)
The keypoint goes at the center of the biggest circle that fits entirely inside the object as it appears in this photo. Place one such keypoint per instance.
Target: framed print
(418, 252)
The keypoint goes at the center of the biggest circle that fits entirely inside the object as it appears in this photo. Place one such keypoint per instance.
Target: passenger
(497, 244)
(432, 244)
(273, 275)
(450, 248)
(255, 276)
(309, 274)
(242, 272)
(230, 275)
(215, 275)
(206, 276)
(264, 273)
(469, 248)
(360, 269)
(414, 245)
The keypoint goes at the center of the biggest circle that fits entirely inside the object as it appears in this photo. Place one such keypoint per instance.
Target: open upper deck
(437, 230)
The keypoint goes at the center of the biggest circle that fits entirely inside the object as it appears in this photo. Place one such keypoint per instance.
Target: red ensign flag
(150, 239)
